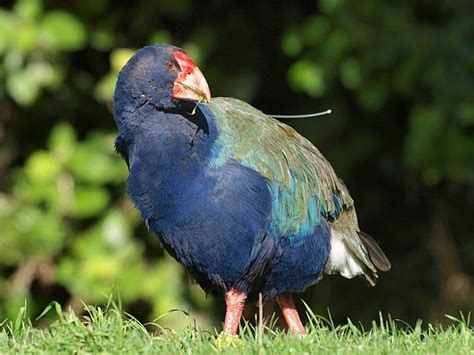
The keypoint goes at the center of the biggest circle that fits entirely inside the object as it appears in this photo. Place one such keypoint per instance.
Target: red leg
(235, 301)
(291, 315)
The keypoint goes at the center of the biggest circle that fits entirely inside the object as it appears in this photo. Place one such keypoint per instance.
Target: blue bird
(245, 203)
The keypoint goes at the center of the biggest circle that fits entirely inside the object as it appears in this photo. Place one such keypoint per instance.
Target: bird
(243, 201)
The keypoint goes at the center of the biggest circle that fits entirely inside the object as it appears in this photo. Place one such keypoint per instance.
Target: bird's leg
(235, 301)
(291, 315)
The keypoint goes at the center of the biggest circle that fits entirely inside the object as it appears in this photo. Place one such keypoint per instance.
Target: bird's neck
(168, 155)
(167, 141)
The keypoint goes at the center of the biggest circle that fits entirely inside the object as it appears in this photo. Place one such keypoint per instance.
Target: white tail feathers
(341, 259)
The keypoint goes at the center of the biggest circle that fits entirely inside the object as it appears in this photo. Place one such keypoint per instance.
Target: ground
(112, 331)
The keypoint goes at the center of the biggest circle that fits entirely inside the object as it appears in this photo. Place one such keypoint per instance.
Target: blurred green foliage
(61, 227)
(398, 77)
(382, 53)
(32, 42)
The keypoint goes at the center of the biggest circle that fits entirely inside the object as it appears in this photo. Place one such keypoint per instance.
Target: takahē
(241, 200)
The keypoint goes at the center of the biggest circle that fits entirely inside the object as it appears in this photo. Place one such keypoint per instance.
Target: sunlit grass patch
(108, 329)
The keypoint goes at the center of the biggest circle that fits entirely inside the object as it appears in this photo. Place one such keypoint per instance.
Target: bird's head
(162, 75)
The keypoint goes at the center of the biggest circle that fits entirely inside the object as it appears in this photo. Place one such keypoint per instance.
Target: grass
(111, 331)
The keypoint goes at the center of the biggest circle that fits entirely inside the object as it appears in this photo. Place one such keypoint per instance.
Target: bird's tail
(355, 253)
(376, 255)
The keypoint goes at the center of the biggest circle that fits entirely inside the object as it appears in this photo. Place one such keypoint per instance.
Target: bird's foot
(224, 340)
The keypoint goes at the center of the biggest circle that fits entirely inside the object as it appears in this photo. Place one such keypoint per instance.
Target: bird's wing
(303, 184)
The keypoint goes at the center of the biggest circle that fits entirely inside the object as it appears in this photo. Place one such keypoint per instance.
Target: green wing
(303, 184)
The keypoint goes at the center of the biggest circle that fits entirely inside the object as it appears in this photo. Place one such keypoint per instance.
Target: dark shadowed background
(398, 76)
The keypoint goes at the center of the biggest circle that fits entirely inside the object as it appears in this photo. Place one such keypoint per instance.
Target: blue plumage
(241, 201)
(214, 221)
(301, 263)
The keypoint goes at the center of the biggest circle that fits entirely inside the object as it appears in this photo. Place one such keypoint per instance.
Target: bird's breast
(167, 167)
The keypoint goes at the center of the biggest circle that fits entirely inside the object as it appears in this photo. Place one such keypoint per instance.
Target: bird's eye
(170, 65)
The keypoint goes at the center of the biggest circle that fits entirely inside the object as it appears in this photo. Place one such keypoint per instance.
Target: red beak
(190, 85)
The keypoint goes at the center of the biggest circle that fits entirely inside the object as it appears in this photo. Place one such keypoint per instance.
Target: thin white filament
(309, 115)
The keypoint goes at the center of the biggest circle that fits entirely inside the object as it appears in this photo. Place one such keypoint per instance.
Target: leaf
(115, 229)
(291, 43)
(61, 30)
(25, 37)
(104, 89)
(42, 167)
(119, 57)
(6, 24)
(89, 163)
(350, 74)
(28, 9)
(330, 6)
(161, 36)
(20, 319)
(90, 201)
(426, 124)
(466, 114)
(315, 29)
(57, 308)
(308, 77)
(103, 39)
(23, 88)
(62, 141)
